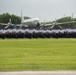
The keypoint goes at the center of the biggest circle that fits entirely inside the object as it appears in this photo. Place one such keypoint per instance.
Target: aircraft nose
(38, 24)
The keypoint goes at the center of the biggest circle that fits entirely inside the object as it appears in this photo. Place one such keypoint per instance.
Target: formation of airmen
(37, 33)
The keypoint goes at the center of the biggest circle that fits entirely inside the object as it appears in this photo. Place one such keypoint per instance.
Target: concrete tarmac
(39, 73)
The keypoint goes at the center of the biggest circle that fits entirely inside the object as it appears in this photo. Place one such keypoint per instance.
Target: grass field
(37, 54)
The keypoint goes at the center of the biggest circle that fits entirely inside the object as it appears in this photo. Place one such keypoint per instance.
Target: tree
(4, 18)
(65, 19)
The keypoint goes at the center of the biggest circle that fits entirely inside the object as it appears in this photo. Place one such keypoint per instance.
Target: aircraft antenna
(21, 17)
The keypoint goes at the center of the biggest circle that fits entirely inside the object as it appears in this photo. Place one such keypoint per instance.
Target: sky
(48, 10)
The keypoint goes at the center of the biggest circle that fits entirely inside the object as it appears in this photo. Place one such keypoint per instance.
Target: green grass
(37, 54)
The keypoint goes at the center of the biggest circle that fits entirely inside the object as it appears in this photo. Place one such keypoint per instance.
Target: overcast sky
(47, 10)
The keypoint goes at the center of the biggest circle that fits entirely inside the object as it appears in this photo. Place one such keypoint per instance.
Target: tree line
(4, 18)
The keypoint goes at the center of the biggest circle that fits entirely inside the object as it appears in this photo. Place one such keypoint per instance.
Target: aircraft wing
(3, 24)
(65, 22)
(46, 25)
(55, 23)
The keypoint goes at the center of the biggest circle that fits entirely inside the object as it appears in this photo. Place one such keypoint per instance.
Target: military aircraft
(32, 22)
